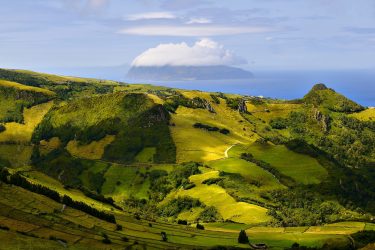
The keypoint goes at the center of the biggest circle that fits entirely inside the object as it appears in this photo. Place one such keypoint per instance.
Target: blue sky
(252, 34)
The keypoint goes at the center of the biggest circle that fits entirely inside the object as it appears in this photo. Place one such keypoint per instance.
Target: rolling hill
(88, 163)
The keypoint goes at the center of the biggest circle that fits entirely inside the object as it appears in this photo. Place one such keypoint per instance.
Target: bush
(224, 131)
(209, 214)
(164, 236)
(215, 99)
(279, 123)
(182, 222)
(2, 128)
(176, 206)
(189, 186)
(200, 226)
(242, 237)
(118, 227)
(106, 241)
(211, 128)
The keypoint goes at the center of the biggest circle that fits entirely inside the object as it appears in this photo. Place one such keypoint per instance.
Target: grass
(124, 181)
(226, 205)
(86, 112)
(46, 146)
(18, 86)
(248, 170)
(200, 145)
(93, 151)
(146, 155)
(17, 132)
(81, 230)
(66, 79)
(17, 155)
(269, 111)
(302, 168)
(365, 115)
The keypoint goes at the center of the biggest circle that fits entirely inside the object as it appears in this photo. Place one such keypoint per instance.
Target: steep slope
(325, 97)
(14, 97)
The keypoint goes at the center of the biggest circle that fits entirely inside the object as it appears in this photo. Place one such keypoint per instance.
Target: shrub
(106, 241)
(279, 123)
(178, 205)
(182, 222)
(224, 131)
(242, 237)
(164, 236)
(209, 214)
(118, 227)
(215, 99)
(2, 128)
(189, 186)
(200, 226)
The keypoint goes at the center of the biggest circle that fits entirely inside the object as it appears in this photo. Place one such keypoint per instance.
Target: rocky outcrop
(202, 103)
(242, 106)
(323, 120)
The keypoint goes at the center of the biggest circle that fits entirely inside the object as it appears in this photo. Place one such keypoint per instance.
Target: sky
(251, 34)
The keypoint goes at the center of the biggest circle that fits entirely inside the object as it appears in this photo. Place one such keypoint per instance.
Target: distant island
(181, 73)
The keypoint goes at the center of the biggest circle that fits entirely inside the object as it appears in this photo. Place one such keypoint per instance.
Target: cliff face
(187, 73)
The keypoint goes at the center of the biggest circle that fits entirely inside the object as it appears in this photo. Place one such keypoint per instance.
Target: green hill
(153, 157)
(325, 97)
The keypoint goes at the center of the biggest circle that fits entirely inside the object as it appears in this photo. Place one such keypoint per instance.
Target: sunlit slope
(201, 145)
(302, 168)
(15, 97)
(365, 115)
(22, 132)
(65, 87)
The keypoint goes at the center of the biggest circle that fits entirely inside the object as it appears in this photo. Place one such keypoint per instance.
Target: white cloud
(150, 15)
(197, 31)
(200, 20)
(204, 52)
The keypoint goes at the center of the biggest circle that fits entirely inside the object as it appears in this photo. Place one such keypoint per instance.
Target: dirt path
(226, 151)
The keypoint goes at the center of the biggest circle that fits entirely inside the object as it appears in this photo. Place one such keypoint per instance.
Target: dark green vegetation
(118, 156)
(210, 128)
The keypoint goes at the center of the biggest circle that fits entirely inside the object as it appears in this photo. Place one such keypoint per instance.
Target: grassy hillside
(65, 87)
(284, 171)
(320, 95)
(15, 97)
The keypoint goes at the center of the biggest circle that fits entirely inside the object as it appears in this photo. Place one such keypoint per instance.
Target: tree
(242, 237)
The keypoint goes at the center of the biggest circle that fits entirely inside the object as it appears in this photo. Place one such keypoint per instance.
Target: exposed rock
(242, 106)
(323, 120)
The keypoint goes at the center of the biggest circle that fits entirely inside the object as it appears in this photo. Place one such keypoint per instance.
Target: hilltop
(131, 161)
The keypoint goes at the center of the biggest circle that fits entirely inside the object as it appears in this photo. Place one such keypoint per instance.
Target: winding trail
(226, 151)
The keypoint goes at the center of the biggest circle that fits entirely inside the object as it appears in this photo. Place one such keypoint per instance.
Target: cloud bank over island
(204, 52)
